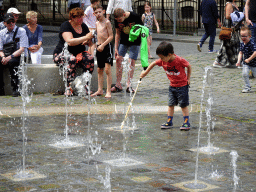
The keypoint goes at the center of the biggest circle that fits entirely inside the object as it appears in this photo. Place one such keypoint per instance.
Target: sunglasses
(10, 21)
(244, 36)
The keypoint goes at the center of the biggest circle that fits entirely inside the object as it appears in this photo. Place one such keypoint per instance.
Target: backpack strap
(15, 32)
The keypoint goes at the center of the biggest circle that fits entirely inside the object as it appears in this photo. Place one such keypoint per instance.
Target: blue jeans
(178, 95)
(210, 30)
(134, 50)
(246, 70)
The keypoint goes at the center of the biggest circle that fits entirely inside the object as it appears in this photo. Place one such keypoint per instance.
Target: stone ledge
(46, 78)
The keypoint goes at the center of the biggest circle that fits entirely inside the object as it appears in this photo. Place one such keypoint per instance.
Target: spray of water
(234, 156)
(24, 92)
(106, 181)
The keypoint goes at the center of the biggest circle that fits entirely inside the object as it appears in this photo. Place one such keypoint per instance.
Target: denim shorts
(178, 95)
(133, 51)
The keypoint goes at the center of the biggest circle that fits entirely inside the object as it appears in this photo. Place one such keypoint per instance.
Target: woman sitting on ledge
(35, 37)
(77, 35)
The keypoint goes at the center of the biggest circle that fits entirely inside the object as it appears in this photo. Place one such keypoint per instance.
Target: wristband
(12, 56)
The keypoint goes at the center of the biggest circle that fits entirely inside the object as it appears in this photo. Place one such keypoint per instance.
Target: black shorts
(178, 95)
(106, 56)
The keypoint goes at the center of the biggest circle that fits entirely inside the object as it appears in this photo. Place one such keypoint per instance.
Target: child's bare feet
(97, 93)
(108, 95)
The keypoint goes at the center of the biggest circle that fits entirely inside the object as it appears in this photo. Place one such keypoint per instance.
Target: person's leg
(122, 50)
(109, 80)
(183, 100)
(13, 65)
(39, 55)
(185, 111)
(212, 33)
(100, 83)
(172, 101)
(149, 40)
(130, 73)
(245, 75)
(206, 34)
(170, 111)
(134, 51)
(1, 78)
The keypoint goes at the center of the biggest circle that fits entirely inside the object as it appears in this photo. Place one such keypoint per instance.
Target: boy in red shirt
(174, 67)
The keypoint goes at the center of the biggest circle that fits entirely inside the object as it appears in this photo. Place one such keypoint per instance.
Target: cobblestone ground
(229, 101)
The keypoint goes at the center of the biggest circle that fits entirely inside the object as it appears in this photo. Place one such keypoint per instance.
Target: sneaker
(185, 127)
(167, 125)
(199, 46)
(246, 90)
(213, 51)
(217, 65)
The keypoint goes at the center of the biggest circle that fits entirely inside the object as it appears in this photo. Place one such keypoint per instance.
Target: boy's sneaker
(199, 46)
(185, 127)
(167, 125)
(246, 90)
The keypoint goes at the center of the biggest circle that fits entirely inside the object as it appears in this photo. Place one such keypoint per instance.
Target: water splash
(106, 181)
(234, 155)
(23, 89)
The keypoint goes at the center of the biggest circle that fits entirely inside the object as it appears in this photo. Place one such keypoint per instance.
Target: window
(187, 12)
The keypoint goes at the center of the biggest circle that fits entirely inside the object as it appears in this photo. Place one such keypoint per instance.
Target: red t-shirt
(175, 71)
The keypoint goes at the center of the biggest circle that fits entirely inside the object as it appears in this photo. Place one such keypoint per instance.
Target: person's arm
(143, 17)
(110, 36)
(239, 59)
(68, 37)
(145, 72)
(117, 39)
(246, 8)
(229, 10)
(156, 23)
(110, 8)
(250, 58)
(189, 70)
(40, 39)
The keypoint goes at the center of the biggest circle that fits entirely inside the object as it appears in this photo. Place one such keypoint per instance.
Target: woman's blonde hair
(31, 14)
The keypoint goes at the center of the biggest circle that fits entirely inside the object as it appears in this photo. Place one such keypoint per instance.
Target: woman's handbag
(225, 33)
(10, 48)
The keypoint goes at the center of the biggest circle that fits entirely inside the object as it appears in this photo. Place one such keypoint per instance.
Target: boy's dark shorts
(178, 95)
(106, 56)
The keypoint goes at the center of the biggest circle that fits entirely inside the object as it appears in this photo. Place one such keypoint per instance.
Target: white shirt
(89, 19)
(126, 5)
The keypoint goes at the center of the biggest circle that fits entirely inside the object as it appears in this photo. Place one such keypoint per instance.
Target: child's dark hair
(164, 48)
(246, 29)
(147, 3)
(98, 6)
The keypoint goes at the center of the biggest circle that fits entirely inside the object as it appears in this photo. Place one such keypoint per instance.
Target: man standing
(209, 13)
(11, 59)
(123, 24)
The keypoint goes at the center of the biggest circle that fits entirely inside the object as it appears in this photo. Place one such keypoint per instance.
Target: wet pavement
(166, 155)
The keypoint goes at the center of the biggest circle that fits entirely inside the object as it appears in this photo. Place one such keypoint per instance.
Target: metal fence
(181, 14)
